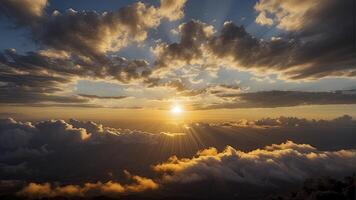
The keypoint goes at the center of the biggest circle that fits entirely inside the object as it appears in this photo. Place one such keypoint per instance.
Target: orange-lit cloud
(110, 188)
(286, 162)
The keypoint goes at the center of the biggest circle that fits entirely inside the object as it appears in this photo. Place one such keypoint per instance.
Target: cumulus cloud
(311, 47)
(60, 132)
(22, 141)
(289, 15)
(71, 52)
(188, 50)
(172, 9)
(110, 188)
(109, 31)
(272, 165)
(34, 153)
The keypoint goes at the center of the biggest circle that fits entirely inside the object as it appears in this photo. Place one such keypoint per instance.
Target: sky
(250, 98)
(124, 55)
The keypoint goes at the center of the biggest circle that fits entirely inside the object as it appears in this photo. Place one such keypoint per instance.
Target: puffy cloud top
(273, 165)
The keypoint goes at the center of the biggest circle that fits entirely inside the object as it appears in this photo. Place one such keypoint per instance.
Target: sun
(176, 109)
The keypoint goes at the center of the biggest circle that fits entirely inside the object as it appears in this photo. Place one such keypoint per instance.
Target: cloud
(34, 153)
(273, 99)
(23, 11)
(109, 31)
(110, 188)
(101, 97)
(322, 188)
(39, 77)
(291, 15)
(345, 120)
(51, 150)
(188, 50)
(323, 49)
(60, 132)
(273, 165)
(310, 48)
(172, 9)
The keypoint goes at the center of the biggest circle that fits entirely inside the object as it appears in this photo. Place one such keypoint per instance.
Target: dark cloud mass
(101, 97)
(313, 50)
(77, 43)
(273, 99)
(23, 11)
(38, 77)
(89, 33)
(272, 167)
(322, 188)
(56, 157)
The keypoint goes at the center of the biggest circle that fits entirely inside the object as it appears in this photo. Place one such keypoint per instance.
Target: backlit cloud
(310, 49)
(110, 188)
(27, 147)
(273, 165)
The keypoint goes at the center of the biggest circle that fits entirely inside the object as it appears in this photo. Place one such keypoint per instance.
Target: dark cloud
(90, 96)
(188, 50)
(322, 188)
(76, 46)
(273, 99)
(313, 49)
(89, 33)
(66, 158)
(272, 167)
(27, 88)
(61, 63)
(39, 77)
(286, 162)
(30, 144)
(23, 11)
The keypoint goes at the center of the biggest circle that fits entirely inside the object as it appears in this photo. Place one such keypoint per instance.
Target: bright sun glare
(176, 109)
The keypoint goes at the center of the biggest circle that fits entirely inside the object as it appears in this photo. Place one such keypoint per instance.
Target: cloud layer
(306, 46)
(312, 48)
(273, 165)
(110, 188)
(34, 153)
(110, 31)
(273, 99)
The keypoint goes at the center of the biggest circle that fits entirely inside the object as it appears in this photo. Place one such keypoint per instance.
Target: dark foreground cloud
(311, 47)
(322, 188)
(271, 167)
(273, 99)
(74, 158)
(26, 147)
